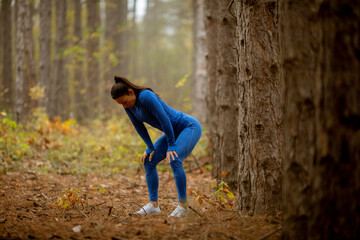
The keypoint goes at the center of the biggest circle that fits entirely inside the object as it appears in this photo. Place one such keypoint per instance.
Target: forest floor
(27, 209)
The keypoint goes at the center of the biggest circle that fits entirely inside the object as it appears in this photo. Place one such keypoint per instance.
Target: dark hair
(122, 85)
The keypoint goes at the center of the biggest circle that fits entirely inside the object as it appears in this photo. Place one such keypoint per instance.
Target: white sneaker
(179, 211)
(148, 209)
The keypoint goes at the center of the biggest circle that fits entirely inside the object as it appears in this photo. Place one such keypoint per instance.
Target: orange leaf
(224, 174)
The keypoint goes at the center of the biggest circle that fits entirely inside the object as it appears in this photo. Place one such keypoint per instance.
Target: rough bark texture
(211, 20)
(20, 47)
(44, 54)
(260, 108)
(59, 88)
(227, 94)
(320, 57)
(7, 78)
(93, 23)
(199, 62)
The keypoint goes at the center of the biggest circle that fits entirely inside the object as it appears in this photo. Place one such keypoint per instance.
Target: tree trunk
(321, 184)
(59, 87)
(6, 54)
(44, 54)
(30, 71)
(199, 62)
(210, 12)
(20, 48)
(93, 23)
(227, 94)
(260, 107)
(79, 81)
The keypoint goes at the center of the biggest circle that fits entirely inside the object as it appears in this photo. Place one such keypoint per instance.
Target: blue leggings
(185, 143)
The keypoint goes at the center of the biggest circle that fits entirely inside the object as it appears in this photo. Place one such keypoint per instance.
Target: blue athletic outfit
(181, 133)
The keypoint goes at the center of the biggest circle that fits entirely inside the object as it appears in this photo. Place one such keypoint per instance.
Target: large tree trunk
(59, 87)
(227, 94)
(260, 108)
(321, 184)
(20, 48)
(93, 23)
(44, 54)
(199, 62)
(210, 12)
(7, 76)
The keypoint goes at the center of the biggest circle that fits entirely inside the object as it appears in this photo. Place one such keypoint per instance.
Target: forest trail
(27, 210)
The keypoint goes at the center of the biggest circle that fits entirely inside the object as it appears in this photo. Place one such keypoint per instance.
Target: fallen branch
(81, 211)
(269, 234)
(195, 211)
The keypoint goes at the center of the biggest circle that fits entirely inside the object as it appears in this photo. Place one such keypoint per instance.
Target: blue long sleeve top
(153, 110)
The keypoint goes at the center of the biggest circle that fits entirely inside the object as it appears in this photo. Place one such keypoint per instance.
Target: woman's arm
(151, 102)
(142, 131)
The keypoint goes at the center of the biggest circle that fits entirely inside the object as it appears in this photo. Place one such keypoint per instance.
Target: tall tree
(320, 59)
(59, 99)
(226, 94)
(199, 62)
(80, 83)
(260, 107)
(6, 53)
(211, 20)
(30, 71)
(116, 36)
(20, 48)
(44, 53)
(93, 24)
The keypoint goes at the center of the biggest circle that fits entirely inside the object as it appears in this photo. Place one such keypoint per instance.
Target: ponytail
(122, 85)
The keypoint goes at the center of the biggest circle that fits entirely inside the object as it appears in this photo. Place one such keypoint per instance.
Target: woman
(181, 133)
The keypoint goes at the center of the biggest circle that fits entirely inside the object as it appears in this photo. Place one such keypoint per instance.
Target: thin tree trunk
(59, 88)
(260, 108)
(211, 20)
(93, 23)
(20, 48)
(199, 62)
(30, 71)
(227, 94)
(80, 83)
(44, 54)
(321, 184)
(134, 45)
(7, 53)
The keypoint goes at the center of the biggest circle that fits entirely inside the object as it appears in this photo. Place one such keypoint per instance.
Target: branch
(269, 234)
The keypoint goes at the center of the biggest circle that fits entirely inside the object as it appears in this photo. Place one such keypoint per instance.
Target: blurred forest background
(60, 57)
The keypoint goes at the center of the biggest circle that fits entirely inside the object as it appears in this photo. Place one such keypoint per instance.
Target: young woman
(181, 133)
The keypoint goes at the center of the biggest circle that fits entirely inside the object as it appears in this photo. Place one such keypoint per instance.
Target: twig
(95, 205)
(46, 197)
(269, 234)
(195, 211)
(229, 7)
(81, 211)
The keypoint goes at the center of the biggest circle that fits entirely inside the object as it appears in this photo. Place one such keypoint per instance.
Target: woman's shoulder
(146, 94)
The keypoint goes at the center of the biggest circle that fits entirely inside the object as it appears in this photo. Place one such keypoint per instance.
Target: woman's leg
(152, 178)
(185, 143)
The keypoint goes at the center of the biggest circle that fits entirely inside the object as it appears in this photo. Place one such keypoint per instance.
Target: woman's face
(128, 100)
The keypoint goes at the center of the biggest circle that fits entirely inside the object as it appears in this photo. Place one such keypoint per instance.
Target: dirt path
(27, 210)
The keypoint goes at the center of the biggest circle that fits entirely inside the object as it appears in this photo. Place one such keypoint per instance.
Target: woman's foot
(148, 209)
(179, 211)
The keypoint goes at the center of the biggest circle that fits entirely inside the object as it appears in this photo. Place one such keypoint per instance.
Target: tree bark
(6, 54)
(210, 11)
(321, 183)
(199, 62)
(44, 54)
(93, 23)
(59, 98)
(260, 107)
(20, 48)
(227, 95)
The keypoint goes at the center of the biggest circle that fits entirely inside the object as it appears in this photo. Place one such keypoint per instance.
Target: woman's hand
(171, 155)
(144, 156)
